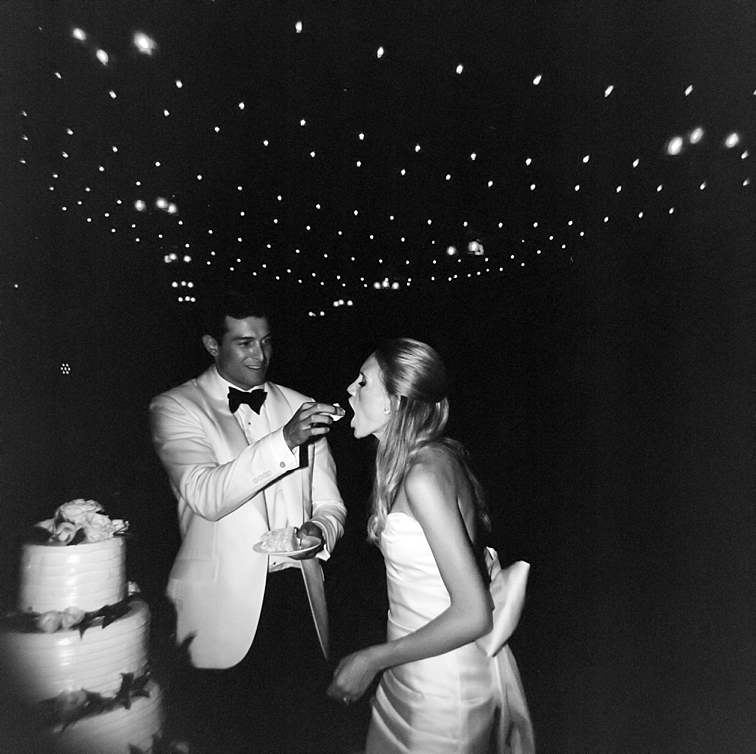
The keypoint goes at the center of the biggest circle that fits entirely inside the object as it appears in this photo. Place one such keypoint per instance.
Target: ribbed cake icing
(87, 576)
(78, 647)
(119, 731)
(47, 664)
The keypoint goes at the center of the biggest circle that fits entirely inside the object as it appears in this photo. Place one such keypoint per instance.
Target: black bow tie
(254, 400)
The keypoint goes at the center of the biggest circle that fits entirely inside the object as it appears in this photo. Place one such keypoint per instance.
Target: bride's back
(444, 461)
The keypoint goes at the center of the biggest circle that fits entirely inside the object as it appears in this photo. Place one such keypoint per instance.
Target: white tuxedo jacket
(224, 486)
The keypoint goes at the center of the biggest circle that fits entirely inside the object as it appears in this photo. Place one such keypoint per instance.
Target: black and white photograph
(377, 377)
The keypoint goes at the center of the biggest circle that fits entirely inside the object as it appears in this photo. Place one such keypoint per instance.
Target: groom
(245, 456)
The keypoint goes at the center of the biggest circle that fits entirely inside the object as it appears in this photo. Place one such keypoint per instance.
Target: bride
(443, 688)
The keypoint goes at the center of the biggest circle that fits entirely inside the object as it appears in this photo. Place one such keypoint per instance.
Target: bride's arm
(431, 489)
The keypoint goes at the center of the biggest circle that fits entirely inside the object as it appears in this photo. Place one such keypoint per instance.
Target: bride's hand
(352, 677)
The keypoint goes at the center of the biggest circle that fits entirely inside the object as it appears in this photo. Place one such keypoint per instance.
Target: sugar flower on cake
(77, 510)
(98, 527)
(60, 620)
(63, 532)
(49, 622)
(81, 521)
(71, 617)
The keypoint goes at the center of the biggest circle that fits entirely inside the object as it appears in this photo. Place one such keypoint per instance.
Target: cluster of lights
(340, 303)
(165, 206)
(143, 43)
(474, 248)
(386, 285)
(675, 146)
(273, 243)
(184, 298)
(174, 257)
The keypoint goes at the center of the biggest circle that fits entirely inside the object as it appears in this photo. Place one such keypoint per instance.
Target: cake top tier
(80, 522)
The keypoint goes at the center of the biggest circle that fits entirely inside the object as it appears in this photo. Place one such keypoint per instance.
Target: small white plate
(257, 547)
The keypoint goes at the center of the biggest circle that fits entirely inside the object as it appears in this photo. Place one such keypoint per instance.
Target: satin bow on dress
(515, 730)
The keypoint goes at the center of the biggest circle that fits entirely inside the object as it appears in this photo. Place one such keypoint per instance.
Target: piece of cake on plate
(280, 540)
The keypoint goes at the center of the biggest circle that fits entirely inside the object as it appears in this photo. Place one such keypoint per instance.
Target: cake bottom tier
(119, 731)
(43, 665)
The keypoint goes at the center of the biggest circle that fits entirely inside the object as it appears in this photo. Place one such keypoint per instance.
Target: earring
(387, 410)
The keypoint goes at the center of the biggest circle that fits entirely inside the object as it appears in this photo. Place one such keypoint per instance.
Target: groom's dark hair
(234, 304)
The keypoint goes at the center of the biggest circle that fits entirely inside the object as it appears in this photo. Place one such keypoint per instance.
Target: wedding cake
(78, 647)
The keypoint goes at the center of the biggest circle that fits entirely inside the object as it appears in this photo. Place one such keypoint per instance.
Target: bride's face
(369, 401)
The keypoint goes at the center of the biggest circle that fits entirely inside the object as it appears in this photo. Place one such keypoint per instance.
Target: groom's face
(243, 356)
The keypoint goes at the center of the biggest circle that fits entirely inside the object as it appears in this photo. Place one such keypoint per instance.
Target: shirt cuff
(288, 458)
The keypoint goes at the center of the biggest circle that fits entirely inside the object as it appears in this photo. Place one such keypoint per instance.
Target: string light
(287, 245)
(145, 44)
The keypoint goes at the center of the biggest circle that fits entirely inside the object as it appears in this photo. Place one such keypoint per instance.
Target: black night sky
(559, 196)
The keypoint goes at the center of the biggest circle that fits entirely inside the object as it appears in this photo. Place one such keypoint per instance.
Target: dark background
(605, 388)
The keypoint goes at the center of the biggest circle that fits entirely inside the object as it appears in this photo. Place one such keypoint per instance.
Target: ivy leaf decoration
(69, 706)
(131, 688)
(86, 622)
(110, 613)
(123, 696)
(94, 704)
(27, 621)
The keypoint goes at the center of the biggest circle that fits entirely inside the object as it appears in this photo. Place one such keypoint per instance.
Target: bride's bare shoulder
(437, 454)
(433, 462)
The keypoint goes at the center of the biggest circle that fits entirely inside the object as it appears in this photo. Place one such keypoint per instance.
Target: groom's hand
(314, 532)
(310, 420)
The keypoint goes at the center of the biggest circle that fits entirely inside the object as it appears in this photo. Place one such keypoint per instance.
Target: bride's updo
(416, 380)
(415, 377)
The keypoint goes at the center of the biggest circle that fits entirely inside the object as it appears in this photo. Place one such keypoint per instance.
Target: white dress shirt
(256, 426)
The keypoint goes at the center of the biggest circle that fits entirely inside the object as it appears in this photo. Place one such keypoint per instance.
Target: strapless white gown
(467, 701)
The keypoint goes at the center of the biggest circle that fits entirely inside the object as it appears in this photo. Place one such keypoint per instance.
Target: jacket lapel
(297, 498)
(215, 393)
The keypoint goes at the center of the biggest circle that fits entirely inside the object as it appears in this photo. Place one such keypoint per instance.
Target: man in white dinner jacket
(255, 623)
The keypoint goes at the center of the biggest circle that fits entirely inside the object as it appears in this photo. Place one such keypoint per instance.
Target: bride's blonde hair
(415, 379)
